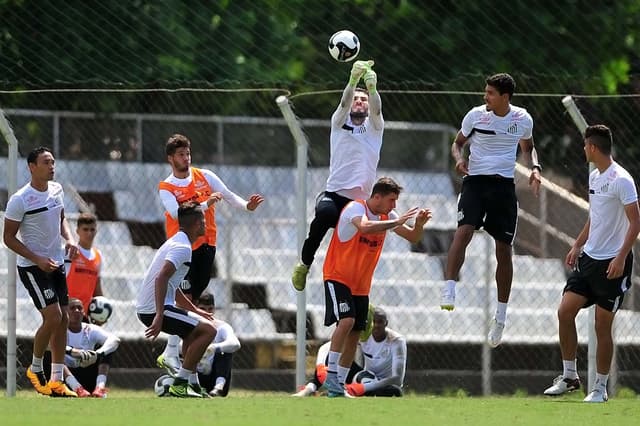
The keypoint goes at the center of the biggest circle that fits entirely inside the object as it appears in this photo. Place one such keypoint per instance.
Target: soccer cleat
(99, 392)
(334, 388)
(448, 297)
(305, 391)
(495, 333)
(299, 276)
(60, 390)
(202, 391)
(82, 392)
(217, 391)
(355, 389)
(562, 385)
(39, 381)
(170, 363)
(597, 395)
(181, 389)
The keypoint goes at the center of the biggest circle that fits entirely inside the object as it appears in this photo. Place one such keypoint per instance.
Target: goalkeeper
(89, 353)
(355, 142)
(383, 353)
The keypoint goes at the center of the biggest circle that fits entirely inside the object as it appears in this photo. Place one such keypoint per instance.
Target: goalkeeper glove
(87, 358)
(370, 80)
(359, 69)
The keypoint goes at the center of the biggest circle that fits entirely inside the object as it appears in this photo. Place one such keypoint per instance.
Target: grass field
(143, 408)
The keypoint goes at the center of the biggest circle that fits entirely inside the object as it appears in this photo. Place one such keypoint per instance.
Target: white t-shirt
(90, 337)
(217, 185)
(346, 229)
(387, 358)
(355, 152)
(40, 214)
(176, 250)
(609, 192)
(493, 140)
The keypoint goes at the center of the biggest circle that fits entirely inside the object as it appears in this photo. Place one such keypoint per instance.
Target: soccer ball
(100, 309)
(344, 46)
(161, 386)
(363, 376)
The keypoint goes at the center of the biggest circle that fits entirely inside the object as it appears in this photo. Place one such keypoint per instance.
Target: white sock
(342, 374)
(501, 312)
(601, 380)
(183, 373)
(220, 382)
(450, 283)
(311, 387)
(569, 369)
(101, 381)
(36, 364)
(56, 372)
(72, 382)
(332, 362)
(172, 346)
(193, 379)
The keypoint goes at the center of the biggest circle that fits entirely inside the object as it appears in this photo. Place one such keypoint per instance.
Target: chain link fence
(109, 149)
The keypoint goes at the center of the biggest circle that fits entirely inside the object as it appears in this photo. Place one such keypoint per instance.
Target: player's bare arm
(531, 157)
(414, 234)
(457, 152)
(161, 285)
(367, 226)
(576, 249)
(616, 266)
(70, 245)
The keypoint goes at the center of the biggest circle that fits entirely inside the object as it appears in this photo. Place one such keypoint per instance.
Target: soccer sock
(342, 374)
(332, 362)
(36, 364)
(56, 372)
(72, 382)
(172, 346)
(450, 283)
(101, 381)
(311, 387)
(569, 369)
(184, 374)
(501, 312)
(220, 382)
(193, 379)
(601, 380)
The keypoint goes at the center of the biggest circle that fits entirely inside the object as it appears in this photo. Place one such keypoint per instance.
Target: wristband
(537, 166)
(68, 350)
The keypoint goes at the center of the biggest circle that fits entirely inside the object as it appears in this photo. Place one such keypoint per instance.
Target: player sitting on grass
(383, 353)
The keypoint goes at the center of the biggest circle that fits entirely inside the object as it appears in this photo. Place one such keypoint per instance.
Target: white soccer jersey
(609, 192)
(40, 214)
(355, 152)
(90, 337)
(387, 358)
(493, 140)
(176, 250)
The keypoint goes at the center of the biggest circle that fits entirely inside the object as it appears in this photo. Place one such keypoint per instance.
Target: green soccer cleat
(169, 363)
(182, 389)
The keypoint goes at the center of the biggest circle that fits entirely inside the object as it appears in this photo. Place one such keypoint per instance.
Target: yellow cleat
(39, 381)
(60, 390)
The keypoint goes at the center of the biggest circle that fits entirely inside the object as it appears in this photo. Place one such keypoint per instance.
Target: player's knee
(207, 329)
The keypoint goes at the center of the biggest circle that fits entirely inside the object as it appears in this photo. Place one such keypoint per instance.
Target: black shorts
(489, 202)
(45, 288)
(175, 321)
(590, 280)
(197, 279)
(339, 303)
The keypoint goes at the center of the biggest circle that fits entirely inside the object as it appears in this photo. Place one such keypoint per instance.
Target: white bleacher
(124, 260)
(138, 206)
(85, 176)
(411, 266)
(255, 324)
